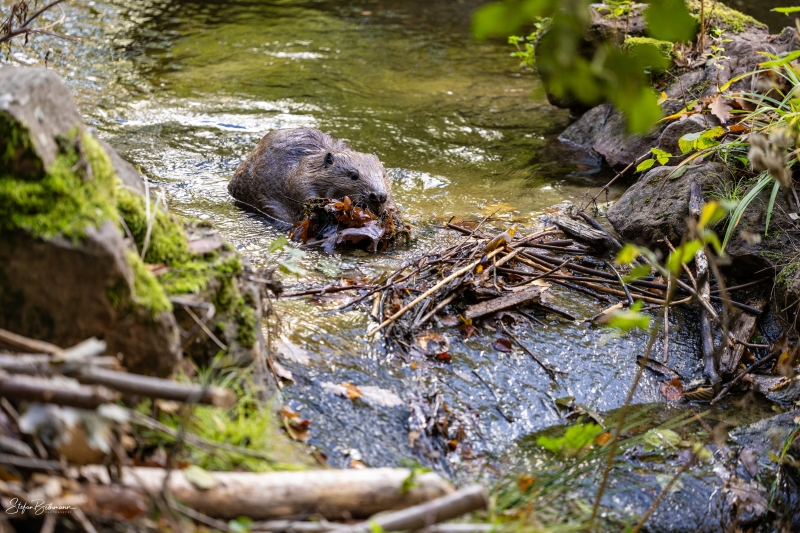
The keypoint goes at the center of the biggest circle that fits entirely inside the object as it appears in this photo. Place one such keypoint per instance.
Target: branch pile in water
(336, 223)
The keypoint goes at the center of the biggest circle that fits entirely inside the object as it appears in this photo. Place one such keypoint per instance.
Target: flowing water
(185, 90)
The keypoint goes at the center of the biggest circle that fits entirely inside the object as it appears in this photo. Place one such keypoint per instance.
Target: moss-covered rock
(726, 18)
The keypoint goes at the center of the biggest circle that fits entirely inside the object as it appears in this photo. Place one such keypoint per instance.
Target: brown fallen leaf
(720, 108)
(502, 345)
(296, 427)
(672, 390)
(444, 356)
(433, 342)
(468, 330)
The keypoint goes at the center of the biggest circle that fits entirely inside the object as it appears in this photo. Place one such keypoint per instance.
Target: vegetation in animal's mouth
(335, 223)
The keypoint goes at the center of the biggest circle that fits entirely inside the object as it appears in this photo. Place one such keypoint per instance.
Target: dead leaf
(672, 390)
(444, 356)
(433, 342)
(524, 482)
(502, 345)
(749, 459)
(296, 427)
(281, 372)
(379, 397)
(355, 464)
(468, 330)
(603, 438)
(738, 128)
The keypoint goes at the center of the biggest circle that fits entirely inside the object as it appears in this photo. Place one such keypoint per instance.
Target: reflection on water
(186, 89)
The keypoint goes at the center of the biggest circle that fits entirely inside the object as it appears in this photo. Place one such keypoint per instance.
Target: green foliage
(700, 140)
(661, 157)
(627, 319)
(613, 74)
(669, 20)
(527, 53)
(411, 481)
(574, 440)
(682, 255)
(787, 10)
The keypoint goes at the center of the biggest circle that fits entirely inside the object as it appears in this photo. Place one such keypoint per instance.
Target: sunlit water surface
(185, 90)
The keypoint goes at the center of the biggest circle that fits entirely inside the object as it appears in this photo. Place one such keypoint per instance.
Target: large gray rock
(66, 272)
(658, 205)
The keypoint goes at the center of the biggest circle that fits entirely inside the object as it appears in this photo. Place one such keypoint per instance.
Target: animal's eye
(353, 175)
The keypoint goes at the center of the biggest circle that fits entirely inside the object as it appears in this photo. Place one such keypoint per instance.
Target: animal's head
(359, 176)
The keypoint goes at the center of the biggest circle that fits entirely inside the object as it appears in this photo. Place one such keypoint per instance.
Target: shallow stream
(185, 90)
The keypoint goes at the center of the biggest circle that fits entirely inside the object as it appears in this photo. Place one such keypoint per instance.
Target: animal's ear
(328, 161)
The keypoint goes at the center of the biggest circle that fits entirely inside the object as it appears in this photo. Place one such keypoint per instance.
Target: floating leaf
(278, 244)
(659, 438)
(502, 345)
(574, 440)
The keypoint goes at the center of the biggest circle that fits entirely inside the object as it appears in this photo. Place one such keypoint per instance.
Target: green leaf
(575, 438)
(678, 172)
(670, 20)
(709, 237)
(295, 253)
(787, 10)
(628, 254)
(243, 524)
(628, 319)
(637, 273)
(290, 267)
(683, 254)
(785, 60)
(686, 143)
(278, 244)
(739, 211)
(644, 165)
(661, 155)
(660, 438)
(771, 205)
(711, 213)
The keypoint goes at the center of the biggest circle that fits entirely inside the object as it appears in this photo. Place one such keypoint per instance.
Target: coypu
(291, 166)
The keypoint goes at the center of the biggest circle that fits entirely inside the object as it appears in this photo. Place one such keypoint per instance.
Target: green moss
(787, 274)
(725, 17)
(147, 292)
(167, 242)
(75, 193)
(663, 47)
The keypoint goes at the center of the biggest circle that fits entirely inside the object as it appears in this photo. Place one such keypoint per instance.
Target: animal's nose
(377, 197)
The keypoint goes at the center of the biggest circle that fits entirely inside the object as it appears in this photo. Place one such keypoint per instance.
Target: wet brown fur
(290, 166)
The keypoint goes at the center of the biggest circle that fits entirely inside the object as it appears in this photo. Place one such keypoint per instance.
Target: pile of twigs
(491, 274)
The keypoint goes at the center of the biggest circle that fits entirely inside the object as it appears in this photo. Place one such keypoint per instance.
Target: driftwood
(504, 302)
(332, 494)
(44, 390)
(464, 501)
(596, 239)
(742, 330)
(156, 387)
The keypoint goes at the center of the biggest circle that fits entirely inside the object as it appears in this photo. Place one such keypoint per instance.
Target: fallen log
(331, 494)
(44, 390)
(464, 501)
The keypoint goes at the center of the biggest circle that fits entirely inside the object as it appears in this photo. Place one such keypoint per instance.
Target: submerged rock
(84, 254)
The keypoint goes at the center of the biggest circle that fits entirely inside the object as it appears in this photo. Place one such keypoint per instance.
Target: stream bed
(185, 90)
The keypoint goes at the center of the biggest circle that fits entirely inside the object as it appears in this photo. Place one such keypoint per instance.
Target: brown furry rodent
(290, 166)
